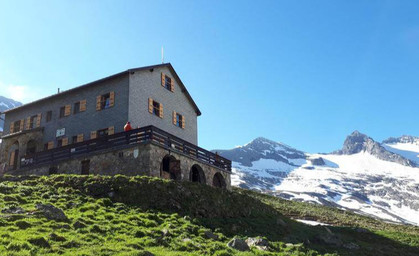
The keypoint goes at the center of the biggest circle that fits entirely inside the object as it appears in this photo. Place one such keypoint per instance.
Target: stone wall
(143, 159)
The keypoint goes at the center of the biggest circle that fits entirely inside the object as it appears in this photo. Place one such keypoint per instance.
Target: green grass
(133, 215)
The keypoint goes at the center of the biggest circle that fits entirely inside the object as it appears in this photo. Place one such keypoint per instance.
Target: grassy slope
(148, 214)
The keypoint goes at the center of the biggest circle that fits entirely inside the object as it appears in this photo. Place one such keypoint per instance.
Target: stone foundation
(141, 159)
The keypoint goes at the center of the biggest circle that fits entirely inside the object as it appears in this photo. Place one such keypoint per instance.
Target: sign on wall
(60, 132)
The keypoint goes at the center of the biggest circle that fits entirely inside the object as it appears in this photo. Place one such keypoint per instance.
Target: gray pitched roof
(184, 90)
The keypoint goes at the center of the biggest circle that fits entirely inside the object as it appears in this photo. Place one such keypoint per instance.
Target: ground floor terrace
(144, 151)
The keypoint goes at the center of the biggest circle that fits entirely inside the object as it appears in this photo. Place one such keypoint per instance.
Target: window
(46, 146)
(32, 122)
(60, 143)
(16, 126)
(167, 82)
(105, 101)
(156, 108)
(74, 139)
(178, 120)
(76, 107)
(49, 116)
(103, 132)
(62, 112)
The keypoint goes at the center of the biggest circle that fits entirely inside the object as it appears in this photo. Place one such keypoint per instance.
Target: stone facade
(142, 159)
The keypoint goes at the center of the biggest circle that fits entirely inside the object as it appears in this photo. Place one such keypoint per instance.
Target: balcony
(144, 135)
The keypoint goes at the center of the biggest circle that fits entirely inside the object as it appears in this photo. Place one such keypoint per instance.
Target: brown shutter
(172, 85)
(150, 105)
(64, 142)
(183, 122)
(111, 130)
(21, 124)
(98, 103)
(174, 117)
(163, 79)
(12, 127)
(67, 110)
(50, 145)
(93, 134)
(28, 123)
(111, 99)
(38, 120)
(83, 105)
(12, 158)
(161, 110)
(80, 137)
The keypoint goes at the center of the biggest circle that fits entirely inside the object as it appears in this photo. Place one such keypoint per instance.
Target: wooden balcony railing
(148, 134)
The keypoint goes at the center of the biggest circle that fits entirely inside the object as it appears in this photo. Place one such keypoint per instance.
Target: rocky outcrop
(358, 142)
(238, 244)
(51, 212)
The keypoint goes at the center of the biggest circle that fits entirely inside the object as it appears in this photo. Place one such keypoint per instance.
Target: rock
(351, 246)
(186, 240)
(361, 230)
(13, 210)
(210, 235)
(258, 242)
(165, 232)
(238, 244)
(329, 239)
(51, 212)
(187, 218)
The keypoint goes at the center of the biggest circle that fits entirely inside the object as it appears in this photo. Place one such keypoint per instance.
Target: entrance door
(15, 158)
(175, 169)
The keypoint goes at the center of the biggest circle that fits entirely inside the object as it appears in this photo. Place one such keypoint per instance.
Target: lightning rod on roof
(162, 55)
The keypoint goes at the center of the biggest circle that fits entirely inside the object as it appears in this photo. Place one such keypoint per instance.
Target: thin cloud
(21, 93)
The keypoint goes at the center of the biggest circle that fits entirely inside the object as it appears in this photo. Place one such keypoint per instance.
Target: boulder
(13, 210)
(351, 246)
(210, 235)
(238, 244)
(51, 212)
(258, 242)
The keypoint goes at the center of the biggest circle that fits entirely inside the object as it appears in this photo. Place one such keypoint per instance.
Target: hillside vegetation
(100, 215)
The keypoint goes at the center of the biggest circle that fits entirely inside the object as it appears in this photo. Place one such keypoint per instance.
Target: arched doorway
(170, 168)
(218, 181)
(197, 174)
(14, 155)
(31, 147)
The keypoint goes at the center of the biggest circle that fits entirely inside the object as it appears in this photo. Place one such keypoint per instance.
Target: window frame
(156, 108)
(76, 107)
(16, 126)
(49, 116)
(32, 121)
(62, 112)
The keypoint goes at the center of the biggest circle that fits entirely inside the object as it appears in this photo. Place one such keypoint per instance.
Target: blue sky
(306, 73)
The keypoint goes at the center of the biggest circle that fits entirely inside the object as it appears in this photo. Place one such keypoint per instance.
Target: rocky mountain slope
(368, 177)
(5, 104)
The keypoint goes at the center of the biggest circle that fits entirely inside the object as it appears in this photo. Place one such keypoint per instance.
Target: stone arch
(218, 181)
(14, 155)
(170, 168)
(31, 147)
(197, 174)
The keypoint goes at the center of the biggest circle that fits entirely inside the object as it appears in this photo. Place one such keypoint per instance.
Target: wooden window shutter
(98, 103)
(111, 130)
(174, 117)
(12, 127)
(163, 79)
(50, 145)
(67, 110)
(38, 120)
(21, 124)
(93, 134)
(111, 99)
(28, 123)
(83, 105)
(150, 105)
(80, 137)
(183, 122)
(12, 158)
(161, 110)
(172, 85)
(65, 142)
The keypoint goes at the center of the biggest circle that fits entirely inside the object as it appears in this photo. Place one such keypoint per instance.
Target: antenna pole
(162, 55)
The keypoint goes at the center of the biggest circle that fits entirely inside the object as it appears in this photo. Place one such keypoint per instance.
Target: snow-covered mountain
(371, 178)
(5, 104)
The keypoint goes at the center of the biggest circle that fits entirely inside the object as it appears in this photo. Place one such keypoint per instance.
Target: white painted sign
(60, 132)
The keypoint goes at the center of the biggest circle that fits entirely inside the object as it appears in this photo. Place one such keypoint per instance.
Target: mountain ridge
(6, 104)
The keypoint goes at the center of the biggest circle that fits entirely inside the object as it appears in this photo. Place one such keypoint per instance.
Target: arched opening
(31, 147)
(197, 174)
(218, 181)
(170, 168)
(14, 155)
